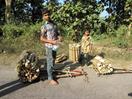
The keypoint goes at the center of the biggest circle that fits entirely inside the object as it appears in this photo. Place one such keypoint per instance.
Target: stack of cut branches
(101, 66)
(60, 58)
(28, 68)
(67, 72)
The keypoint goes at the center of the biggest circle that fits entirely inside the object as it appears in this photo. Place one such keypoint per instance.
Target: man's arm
(44, 40)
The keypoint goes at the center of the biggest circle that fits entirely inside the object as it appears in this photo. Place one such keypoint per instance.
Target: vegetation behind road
(21, 29)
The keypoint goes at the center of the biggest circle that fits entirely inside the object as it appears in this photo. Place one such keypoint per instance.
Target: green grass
(26, 37)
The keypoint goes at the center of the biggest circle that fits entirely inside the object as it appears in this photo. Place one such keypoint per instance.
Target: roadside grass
(121, 56)
(113, 41)
(115, 53)
(16, 39)
(114, 47)
(105, 46)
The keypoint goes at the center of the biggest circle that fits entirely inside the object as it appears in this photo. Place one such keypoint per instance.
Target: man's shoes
(53, 82)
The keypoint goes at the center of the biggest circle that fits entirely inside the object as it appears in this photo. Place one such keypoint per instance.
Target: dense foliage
(20, 20)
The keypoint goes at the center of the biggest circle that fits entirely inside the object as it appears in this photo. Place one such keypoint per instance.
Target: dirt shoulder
(115, 56)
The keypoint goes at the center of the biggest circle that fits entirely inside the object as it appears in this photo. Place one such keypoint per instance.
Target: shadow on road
(17, 84)
(130, 94)
(13, 86)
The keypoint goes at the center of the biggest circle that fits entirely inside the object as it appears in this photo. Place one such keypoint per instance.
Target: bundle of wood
(60, 58)
(28, 68)
(74, 52)
(101, 66)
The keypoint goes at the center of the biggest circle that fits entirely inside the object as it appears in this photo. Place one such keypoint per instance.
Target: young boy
(50, 37)
(86, 46)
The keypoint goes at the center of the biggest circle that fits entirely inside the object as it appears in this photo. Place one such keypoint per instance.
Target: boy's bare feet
(53, 82)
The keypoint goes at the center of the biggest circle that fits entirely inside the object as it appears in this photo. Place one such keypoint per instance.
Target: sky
(103, 14)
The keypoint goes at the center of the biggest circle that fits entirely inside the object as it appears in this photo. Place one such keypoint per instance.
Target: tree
(20, 10)
(30, 10)
(2, 11)
(8, 9)
(75, 16)
(120, 9)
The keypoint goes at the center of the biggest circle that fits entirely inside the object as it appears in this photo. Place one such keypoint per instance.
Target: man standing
(50, 37)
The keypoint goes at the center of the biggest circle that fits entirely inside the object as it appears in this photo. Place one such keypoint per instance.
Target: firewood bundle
(28, 68)
(101, 66)
(60, 58)
(74, 52)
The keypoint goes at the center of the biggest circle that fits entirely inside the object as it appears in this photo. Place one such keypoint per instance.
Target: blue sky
(103, 14)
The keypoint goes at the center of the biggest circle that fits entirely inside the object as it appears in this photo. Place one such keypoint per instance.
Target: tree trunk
(8, 11)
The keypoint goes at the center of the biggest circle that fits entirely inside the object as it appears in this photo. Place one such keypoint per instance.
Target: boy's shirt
(50, 31)
(85, 44)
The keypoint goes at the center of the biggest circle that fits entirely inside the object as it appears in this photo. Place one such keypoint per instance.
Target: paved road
(115, 86)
